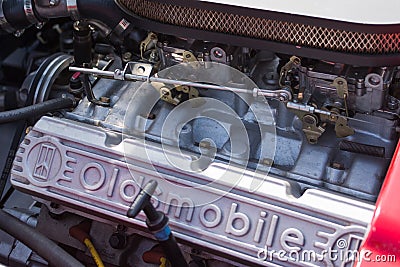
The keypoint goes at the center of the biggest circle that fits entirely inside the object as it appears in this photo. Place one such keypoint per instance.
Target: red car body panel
(383, 238)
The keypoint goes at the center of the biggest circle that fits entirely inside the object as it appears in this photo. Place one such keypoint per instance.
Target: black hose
(16, 18)
(46, 248)
(15, 14)
(106, 11)
(36, 110)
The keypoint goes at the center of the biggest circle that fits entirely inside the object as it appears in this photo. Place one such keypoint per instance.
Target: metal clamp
(122, 26)
(72, 8)
(30, 15)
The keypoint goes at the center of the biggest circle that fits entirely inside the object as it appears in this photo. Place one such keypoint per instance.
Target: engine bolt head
(39, 25)
(151, 116)
(105, 99)
(19, 33)
(54, 2)
(374, 80)
(337, 166)
(205, 144)
(393, 104)
(309, 119)
(127, 56)
(267, 162)
(28, 129)
(218, 53)
(117, 241)
(54, 205)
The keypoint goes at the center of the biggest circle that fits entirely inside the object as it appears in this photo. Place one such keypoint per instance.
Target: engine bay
(248, 150)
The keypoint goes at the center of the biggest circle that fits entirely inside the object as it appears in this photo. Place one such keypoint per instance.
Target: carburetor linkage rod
(280, 94)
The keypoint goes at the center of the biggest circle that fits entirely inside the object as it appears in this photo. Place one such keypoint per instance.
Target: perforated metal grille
(266, 29)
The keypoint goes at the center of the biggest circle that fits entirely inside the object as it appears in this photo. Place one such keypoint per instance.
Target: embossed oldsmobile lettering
(231, 220)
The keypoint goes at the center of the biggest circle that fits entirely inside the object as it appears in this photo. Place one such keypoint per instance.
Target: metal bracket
(342, 128)
(310, 128)
(293, 62)
(148, 43)
(188, 57)
(176, 94)
(341, 87)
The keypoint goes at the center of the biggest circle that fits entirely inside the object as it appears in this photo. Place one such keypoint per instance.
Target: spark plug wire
(80, 233)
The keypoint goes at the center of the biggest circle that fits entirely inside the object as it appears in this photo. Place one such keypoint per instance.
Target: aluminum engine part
(88, 171)
(367, 90)
(312, 166)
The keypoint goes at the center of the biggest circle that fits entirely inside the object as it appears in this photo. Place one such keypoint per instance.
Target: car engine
(253, 135)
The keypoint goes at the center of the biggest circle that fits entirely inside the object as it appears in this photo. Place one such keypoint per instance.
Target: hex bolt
(267, 162)
(121, 228)
(19, 33)
(218, 53)
(54, 205)
(141, 70)
(28, 129)
(117, 241)
(54, 2)
(118, 72)
(127, 56)
(393, 104)
(165, 91)
(205, 144)
(151, 116)
(105, 99)
(374, 80)
(309, 119)
(39, 25)
(154, 55)
(337, 166)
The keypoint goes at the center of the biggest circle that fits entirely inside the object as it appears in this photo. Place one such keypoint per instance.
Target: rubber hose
(15, 14)
(106, 11)
(36, 110)
(43, 246)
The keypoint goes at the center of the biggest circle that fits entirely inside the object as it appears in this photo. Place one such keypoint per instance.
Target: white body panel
(356, 11)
